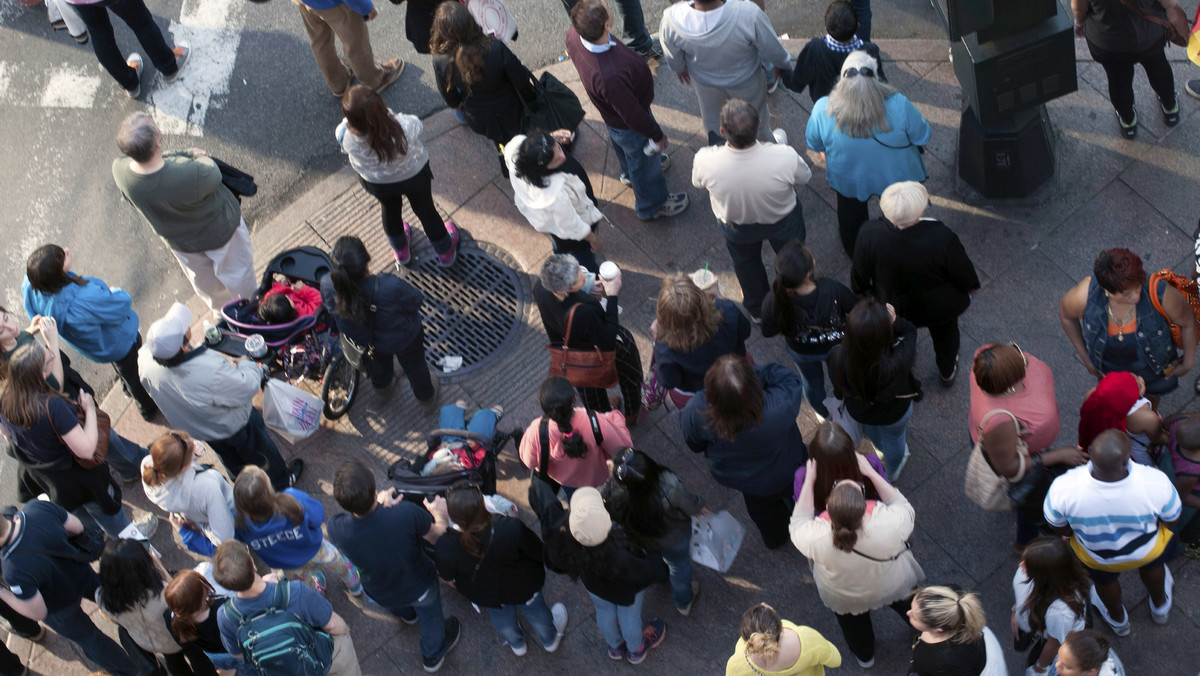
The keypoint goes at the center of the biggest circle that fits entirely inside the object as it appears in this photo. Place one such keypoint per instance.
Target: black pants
(252, 445)
(581, 249)
(851, 213)
(127, 371)
(770, 513)
(412, 362)
(860, 633)
(419, 191)
(1118, 66)
(945, 338)
(629, 379)
(141, 22)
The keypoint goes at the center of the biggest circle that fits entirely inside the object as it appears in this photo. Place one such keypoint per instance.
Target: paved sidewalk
(1106, 192)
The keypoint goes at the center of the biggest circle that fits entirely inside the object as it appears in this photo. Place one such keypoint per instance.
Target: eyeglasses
(853, 72)
(852, 482)
(1020, 352)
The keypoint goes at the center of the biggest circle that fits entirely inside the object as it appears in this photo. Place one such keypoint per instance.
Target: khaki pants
(345, 661)
(351, 28)
(222, 275)
(753, 91)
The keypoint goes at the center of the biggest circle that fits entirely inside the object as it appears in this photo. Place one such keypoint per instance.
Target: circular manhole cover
(472, 309)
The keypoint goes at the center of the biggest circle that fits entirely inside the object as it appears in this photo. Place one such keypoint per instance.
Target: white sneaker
(865, 665)
(1121, 629)
(1159, 615)
(148, 525)
(135, 62)
(559, 612)
(780, 136)
(520, 652)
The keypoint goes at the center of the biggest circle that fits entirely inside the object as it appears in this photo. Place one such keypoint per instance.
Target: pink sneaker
(447, 259)
(403, 256)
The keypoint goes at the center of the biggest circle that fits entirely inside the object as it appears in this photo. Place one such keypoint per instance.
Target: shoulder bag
(824, 334)
(103, 426)
(583, 367)
(543, 470)
(360, 356)
(554, 106)
(1182, 284)
(1175, 25)
(983, 485)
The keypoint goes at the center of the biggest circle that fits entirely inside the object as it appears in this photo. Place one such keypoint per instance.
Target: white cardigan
(561, 209)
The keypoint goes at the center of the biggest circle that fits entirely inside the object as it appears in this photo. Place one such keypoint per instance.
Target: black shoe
(1128, 129)
(148, 414)
(1192, 88)
(295, 470)
(947, 381)
(519, 433)
(1170, 115)
(453, 631)
(650, 51)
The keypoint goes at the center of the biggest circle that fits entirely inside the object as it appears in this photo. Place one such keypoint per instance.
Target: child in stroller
(287, 300)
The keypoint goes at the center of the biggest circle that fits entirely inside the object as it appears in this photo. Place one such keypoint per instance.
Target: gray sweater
(729, 53)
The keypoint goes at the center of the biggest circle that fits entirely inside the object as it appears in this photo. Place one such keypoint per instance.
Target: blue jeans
(678, 558)
(536, 612)
(744, 242)
(812, 376)
(428, 611)
(891, 439)
(453, 417)
(633, 23)
(74, 625)
(620, 625)
(111, 524)
(863, 9)
(125, 456)
(644, 172)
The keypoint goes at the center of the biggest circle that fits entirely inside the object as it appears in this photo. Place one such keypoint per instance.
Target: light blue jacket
(97, 321)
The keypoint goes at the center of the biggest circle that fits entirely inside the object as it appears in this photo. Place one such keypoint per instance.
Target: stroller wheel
(338, 387)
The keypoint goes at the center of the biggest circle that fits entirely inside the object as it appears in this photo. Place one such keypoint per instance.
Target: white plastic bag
(716, 539)
(291, 411)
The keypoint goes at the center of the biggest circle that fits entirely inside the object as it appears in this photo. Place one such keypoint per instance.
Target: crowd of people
(610, 514)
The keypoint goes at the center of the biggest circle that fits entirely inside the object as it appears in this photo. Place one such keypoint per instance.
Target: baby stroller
(477, 461)
(305, 348)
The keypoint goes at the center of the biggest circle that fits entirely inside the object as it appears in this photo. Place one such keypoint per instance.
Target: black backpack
(277, 643)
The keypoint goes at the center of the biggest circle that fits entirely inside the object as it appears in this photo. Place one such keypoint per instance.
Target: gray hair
(856, 103)
(138, 137)
(740, 122)
(904, 203)
(559, 273)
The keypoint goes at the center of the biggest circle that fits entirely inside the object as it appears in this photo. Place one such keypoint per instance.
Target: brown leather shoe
(391, 72)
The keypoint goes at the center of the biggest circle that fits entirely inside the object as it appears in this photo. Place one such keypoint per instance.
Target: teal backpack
(277, 643)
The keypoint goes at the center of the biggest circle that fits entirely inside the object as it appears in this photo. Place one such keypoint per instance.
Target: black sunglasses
(864, 71)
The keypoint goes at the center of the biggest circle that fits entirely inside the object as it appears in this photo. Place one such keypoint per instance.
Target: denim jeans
(620, 625)
(125, 456)
(891, 439)
(111, 524)
(74, 625)
(812, 375)
(252, 445)
(862, 8)
(744, 242)
(428, 611)
(452, 417)
(536, 612)
(644, 172)
(678, 558)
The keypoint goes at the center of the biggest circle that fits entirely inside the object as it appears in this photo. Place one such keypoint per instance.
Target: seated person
(286, 301)
(819, 64)
(455, 454)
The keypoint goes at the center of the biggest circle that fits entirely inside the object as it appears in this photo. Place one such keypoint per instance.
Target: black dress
(493, 104)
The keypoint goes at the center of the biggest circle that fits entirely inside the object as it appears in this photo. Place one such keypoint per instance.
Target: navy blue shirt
(386, 547)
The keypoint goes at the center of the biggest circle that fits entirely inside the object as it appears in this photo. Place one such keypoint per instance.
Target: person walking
(387, 538)
(1051, 591)
(386, 152)
(752, 187)
(128, 71)
(381, 313)
(98, 321)
(621, 87)
(771, 645)
(860, 557)
(198, 498)
(810, 311)
(871, 136)
(950, 642)
(181, 196)
(918, 266)
(346, 19)
(718, 48)
(744, 423)
(202, 393)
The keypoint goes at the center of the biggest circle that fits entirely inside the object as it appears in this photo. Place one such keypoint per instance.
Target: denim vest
(1153, 337)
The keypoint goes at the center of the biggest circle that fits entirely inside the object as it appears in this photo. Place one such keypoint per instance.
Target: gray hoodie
(730, 52)
(198, 494)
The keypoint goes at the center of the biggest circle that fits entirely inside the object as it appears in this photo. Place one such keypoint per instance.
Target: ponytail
(761, 628)
(169, 455)
(957, 613)
(794, 265)
(557, 398)
(350, 259)
(465, 507)
(846, 506)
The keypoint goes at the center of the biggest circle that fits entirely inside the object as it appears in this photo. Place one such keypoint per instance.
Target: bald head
(1187, 432)
(1110, 451)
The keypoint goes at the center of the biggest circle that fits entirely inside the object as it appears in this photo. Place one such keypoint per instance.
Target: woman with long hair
(131, 593)
(575, 458)
(951, 626)
(745, 425)
(871, 137)
(99, 322)
(655, 508)
(1051, 590)
(694, 330)
(871, 370)
(479, 75)
(1088, 653)
(48, 438)
(859, 552)
(1119, 402)
(198, 498)
(769, 645)
(810, 311)
(194, 605)
(386, 152)
(555, 195)
(836, 459)
(382, 313)
(496, 564)
(284, 529)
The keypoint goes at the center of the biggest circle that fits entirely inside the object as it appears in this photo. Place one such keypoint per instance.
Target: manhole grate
(472, 309)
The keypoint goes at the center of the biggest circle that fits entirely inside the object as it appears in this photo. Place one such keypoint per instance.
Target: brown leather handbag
(103, 425)
(583, 367)
(1175, 25)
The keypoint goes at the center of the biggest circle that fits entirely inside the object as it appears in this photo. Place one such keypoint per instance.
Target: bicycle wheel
(338, 387)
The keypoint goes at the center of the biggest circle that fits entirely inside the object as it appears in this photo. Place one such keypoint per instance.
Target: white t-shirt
(751, 185)
(1060, 619)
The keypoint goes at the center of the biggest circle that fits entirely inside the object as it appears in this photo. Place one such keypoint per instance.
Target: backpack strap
(544, 442)
(595, 423)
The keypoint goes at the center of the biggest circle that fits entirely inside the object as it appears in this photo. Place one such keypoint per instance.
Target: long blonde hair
(856, 103)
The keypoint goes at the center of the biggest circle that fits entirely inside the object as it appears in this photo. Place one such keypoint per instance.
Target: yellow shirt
(815, 654)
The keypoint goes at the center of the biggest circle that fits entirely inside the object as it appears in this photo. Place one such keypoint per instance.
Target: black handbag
(360, 356)
(239, 182)
(1029, 494)
(554, 106)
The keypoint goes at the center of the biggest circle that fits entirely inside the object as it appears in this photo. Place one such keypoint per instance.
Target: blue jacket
(282, 545)
(97, 321)
(1153, 336)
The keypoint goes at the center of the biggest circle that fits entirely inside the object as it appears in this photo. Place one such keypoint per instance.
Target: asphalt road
(251, 96)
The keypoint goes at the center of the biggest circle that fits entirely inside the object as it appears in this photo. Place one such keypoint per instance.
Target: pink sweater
(590, 470)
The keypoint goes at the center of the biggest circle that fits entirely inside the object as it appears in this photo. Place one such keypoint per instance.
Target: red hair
(1107, 406)
(1118, 270)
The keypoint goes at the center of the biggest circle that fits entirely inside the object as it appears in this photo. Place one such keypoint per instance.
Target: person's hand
(1071, 456)
(864, 465)
(1183, 369)
(437, 506)
(662, 145)
(179, 522)
(810, 470)
(653, 331)
(891, 312)
(196, 152)
(1079, 29)
(371, 16)
(612, 287)
(685, 78)
(389, 497)
(298, 285)
(1016, 628)
(1093, 370)
(271, 577)
(704, 511)
(563, 136)
(86, 402)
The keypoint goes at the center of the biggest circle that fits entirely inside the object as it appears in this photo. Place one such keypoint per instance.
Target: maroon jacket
(619, 84)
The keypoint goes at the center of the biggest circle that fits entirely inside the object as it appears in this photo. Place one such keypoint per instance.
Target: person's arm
(1186, 485)
(680, 496)
(81, 439)
(403, 296)
(862, 268)
(906, 334)
(812, 130)
(801, 174)
(34, 607)
(766, 40)
(670, 375)
(1080, 9)
(336, 626)
(693, 426)
(436, 507)
(1000, 446)
(673, 54)
(305, 299)
(959, 267)
(208, 176)
(627, 107)
(801, 74)
(805, 507)
(234, 386)
(1180, 314)
(888, 493)
(1070, 315)
(918, 130)
(1045, 658)
(517, 73)
(72, 525)
(443, 65)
